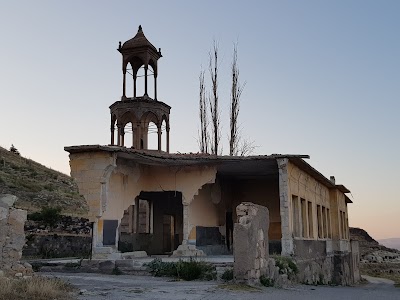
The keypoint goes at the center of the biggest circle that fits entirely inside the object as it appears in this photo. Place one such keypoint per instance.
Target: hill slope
(37, 186)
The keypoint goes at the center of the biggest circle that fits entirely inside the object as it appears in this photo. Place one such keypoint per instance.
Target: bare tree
(213, 100)
(203, 142)
(236, 92)
(246, 147)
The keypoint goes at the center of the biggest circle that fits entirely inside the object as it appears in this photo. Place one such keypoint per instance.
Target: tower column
(167, 139)
(145, 79)
(112, 134)
(155, 86)
(119, 135)
(159, 137)
(122, 136)
(124, 84)
(134, 86)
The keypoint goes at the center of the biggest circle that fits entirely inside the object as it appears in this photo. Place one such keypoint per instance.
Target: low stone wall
(12, 238)
(57, 245)
(65, 225)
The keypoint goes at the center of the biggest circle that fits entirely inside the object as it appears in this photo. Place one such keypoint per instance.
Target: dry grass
(35, 288)
(239, 287)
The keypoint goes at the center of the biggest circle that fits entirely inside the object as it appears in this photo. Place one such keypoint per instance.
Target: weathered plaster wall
(306, 187)
(91, 171)
(266, 193)
(209, 207)
(110, 185)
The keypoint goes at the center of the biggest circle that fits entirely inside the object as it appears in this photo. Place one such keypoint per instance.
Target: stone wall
(250, 237)
(57, 245)
(12, 238)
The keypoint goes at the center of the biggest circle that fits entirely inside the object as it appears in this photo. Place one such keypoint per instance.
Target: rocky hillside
(370, 250)
(37, 186)
(376, 259)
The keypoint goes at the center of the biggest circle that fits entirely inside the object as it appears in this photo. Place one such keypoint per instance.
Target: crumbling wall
(12, 238)
(250, 239)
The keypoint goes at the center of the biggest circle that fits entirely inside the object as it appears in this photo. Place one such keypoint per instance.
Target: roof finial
(140, 28)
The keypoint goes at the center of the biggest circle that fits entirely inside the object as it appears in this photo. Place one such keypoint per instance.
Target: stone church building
(143, 199)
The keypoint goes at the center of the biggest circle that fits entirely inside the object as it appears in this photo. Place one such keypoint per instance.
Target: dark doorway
(109, 232)
(157, 223)
(229, 230)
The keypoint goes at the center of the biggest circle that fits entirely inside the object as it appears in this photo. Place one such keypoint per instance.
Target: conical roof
(139, 40)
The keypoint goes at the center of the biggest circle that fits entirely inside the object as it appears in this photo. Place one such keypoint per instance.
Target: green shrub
(227, 275)
(265, 281)
(116, 271)
(286, 265)
(159, 268)
(186, 270)
(48, 215)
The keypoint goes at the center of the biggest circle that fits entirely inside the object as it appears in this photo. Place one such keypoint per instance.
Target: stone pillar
(159, 137)
(185, 249)
(250, 240)
(134, 86)
(185, 223)
(112, 134)
(122, 137)
(155, 87)
(145, 80)
(167, 138)
(98, 233)
(119, 135)
(124, 84)
(12, 238)
(287, 239)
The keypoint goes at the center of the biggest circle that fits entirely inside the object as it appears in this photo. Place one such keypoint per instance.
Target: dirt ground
(123, 287)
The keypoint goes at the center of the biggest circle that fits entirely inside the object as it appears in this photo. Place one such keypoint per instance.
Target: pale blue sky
(323, 78)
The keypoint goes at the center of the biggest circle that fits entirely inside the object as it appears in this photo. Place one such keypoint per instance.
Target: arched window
(152, 136)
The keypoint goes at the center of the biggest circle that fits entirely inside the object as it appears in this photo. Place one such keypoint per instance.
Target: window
(304, 227)
(296, 216)
(310, 220)
(319, 221)
(324, 235)
(328, 221)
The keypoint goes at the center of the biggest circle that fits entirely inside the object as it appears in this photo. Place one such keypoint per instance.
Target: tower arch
(139, 55)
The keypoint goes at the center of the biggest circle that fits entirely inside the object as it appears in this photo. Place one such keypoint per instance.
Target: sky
(322, 78)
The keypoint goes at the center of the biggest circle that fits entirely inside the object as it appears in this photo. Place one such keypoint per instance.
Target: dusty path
(123, 287)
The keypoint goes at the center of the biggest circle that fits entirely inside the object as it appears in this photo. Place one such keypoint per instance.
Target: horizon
(321, 80)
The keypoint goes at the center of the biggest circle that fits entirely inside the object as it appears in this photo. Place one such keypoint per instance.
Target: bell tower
(133, 115)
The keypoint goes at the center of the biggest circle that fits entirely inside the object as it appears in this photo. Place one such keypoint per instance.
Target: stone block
(7, 200)
(134, 254)
(251, 242)
(3, 214)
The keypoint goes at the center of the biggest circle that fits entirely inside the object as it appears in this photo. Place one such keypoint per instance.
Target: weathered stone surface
(12, 238)
(7, 200)
(250, 237)
(134, 254)
(188, 250)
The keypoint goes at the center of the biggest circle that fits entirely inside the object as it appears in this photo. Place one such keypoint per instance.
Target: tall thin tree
(213, 100)
(236, 92)
(203, 142)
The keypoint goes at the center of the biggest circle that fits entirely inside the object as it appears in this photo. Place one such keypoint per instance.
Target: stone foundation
(12, 238)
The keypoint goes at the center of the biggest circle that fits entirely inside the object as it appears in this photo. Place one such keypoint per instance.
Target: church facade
(143, 199)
